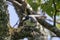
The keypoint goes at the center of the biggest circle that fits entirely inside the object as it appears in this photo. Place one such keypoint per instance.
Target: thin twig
(15, 2)
(55, 13)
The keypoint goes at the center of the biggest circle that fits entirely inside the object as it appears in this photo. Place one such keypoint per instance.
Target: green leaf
(57, 4)
(48, 7)
(34, 4)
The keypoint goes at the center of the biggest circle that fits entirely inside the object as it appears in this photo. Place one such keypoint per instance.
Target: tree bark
(3, 19)
(49, 26)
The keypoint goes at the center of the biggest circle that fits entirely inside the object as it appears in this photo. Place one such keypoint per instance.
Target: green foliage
(34, 4)
(57, 4)
(58, 26)
(48, 7)
(58, 13)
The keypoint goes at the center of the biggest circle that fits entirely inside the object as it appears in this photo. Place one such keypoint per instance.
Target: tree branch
(55, 13)
(49, 26)
(45, 24)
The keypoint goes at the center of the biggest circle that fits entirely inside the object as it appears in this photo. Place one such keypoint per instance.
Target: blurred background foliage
(47, 6)
(34, 4)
